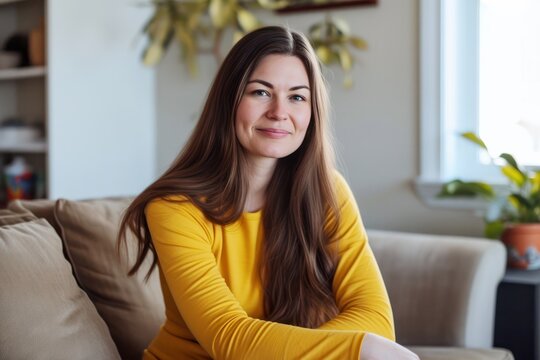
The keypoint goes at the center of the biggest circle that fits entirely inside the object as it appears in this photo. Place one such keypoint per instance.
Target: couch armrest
(442, 288)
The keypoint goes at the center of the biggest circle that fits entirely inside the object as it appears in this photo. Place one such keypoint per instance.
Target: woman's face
(275, 109)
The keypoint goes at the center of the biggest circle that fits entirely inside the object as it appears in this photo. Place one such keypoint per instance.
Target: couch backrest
(442, 288)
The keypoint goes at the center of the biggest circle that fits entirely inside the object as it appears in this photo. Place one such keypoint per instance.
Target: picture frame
(331, 4)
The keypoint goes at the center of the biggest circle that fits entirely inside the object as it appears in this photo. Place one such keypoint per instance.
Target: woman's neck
(260, 172)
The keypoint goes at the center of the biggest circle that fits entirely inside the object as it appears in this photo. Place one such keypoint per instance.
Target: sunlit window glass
(509, 78)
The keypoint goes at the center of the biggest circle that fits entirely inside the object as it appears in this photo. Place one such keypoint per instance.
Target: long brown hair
(298, 265)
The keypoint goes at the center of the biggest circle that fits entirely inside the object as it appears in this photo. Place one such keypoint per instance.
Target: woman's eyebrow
(267, 84)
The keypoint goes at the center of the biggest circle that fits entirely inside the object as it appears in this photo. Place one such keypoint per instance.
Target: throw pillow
(45, 315)
(41, 208)
(132, 308)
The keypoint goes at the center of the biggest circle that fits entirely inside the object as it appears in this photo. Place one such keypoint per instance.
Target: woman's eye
(298, 98)
(260, 93)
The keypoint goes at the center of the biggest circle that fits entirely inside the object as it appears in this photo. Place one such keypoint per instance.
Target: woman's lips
(273, 133)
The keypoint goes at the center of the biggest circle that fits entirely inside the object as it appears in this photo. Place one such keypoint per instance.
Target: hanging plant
(332, 41)
(195, 22)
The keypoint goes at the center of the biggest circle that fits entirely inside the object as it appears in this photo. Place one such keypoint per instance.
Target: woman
(260, 246)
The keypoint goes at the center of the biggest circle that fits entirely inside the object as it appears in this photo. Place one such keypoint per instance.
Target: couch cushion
(45, 315)
(454, 353)
(132, 309)
(9, 218)
(41, 208)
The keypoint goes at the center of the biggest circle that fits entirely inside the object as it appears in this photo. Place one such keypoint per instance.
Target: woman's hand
(375, 347)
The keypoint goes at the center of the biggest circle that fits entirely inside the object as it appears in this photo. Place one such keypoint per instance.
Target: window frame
(428, 183)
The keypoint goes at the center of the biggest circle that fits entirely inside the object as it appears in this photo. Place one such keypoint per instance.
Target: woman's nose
(277, 109)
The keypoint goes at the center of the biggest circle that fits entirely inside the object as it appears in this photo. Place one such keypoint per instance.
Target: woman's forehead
(286, 70)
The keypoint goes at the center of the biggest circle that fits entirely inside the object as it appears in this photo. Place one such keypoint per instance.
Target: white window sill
(427, 191)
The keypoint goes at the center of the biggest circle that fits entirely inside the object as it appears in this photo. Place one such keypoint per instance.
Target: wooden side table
(517, 314)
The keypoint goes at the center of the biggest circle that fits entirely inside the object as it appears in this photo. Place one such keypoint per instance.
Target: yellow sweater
(214, 297)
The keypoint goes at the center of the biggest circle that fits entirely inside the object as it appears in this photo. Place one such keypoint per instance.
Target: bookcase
(23, 91)
(93, 100)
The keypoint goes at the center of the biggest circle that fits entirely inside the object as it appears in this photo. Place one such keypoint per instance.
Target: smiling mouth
(273, 133)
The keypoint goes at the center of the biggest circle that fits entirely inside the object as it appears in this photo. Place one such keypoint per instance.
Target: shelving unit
(23, 93)
(93, 101)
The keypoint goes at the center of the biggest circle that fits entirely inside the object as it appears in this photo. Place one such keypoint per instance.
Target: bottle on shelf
(19, 180)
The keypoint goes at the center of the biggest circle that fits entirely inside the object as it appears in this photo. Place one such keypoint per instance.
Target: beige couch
(65, 293)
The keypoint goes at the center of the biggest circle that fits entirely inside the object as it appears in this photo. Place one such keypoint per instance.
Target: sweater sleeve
(182, 239)
(358, 285)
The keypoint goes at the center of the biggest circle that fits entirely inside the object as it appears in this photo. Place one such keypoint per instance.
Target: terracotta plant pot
(523, 245)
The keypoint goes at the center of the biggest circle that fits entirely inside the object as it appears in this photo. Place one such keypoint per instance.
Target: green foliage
(475, 139)
(466, 189)
(195, 22)
(332, 41)
(494, 229)
(519, 202)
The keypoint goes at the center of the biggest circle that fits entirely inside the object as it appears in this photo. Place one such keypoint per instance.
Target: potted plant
(513, 214)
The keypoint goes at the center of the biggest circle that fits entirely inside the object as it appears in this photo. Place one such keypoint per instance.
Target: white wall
(376, 122)
(101, 114)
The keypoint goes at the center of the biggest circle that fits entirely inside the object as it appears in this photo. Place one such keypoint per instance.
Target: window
(480, 72)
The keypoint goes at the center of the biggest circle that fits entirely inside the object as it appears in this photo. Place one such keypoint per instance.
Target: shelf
(35, 147)
(22, 73)
(6, 2)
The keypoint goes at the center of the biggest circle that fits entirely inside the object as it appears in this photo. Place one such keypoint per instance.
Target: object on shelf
(36, 45)
(19, 180)
(9, 59)
(14, 131)
(18, 43)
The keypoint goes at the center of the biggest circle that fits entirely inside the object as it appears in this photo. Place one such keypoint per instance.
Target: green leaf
(535, 181)
(160, 33)
(535, 198)
(514, 175)
(494, 229)
(148, 24)
(248, 22)
(315, 30)
(324, 53)
(475, 139)
(520, 200)
(510, 160)
(459, 188)
(221, 12)
(345, 58)
(341, 26)
(193, 19)
(358, 43)
(153, 54)
(514, 202)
